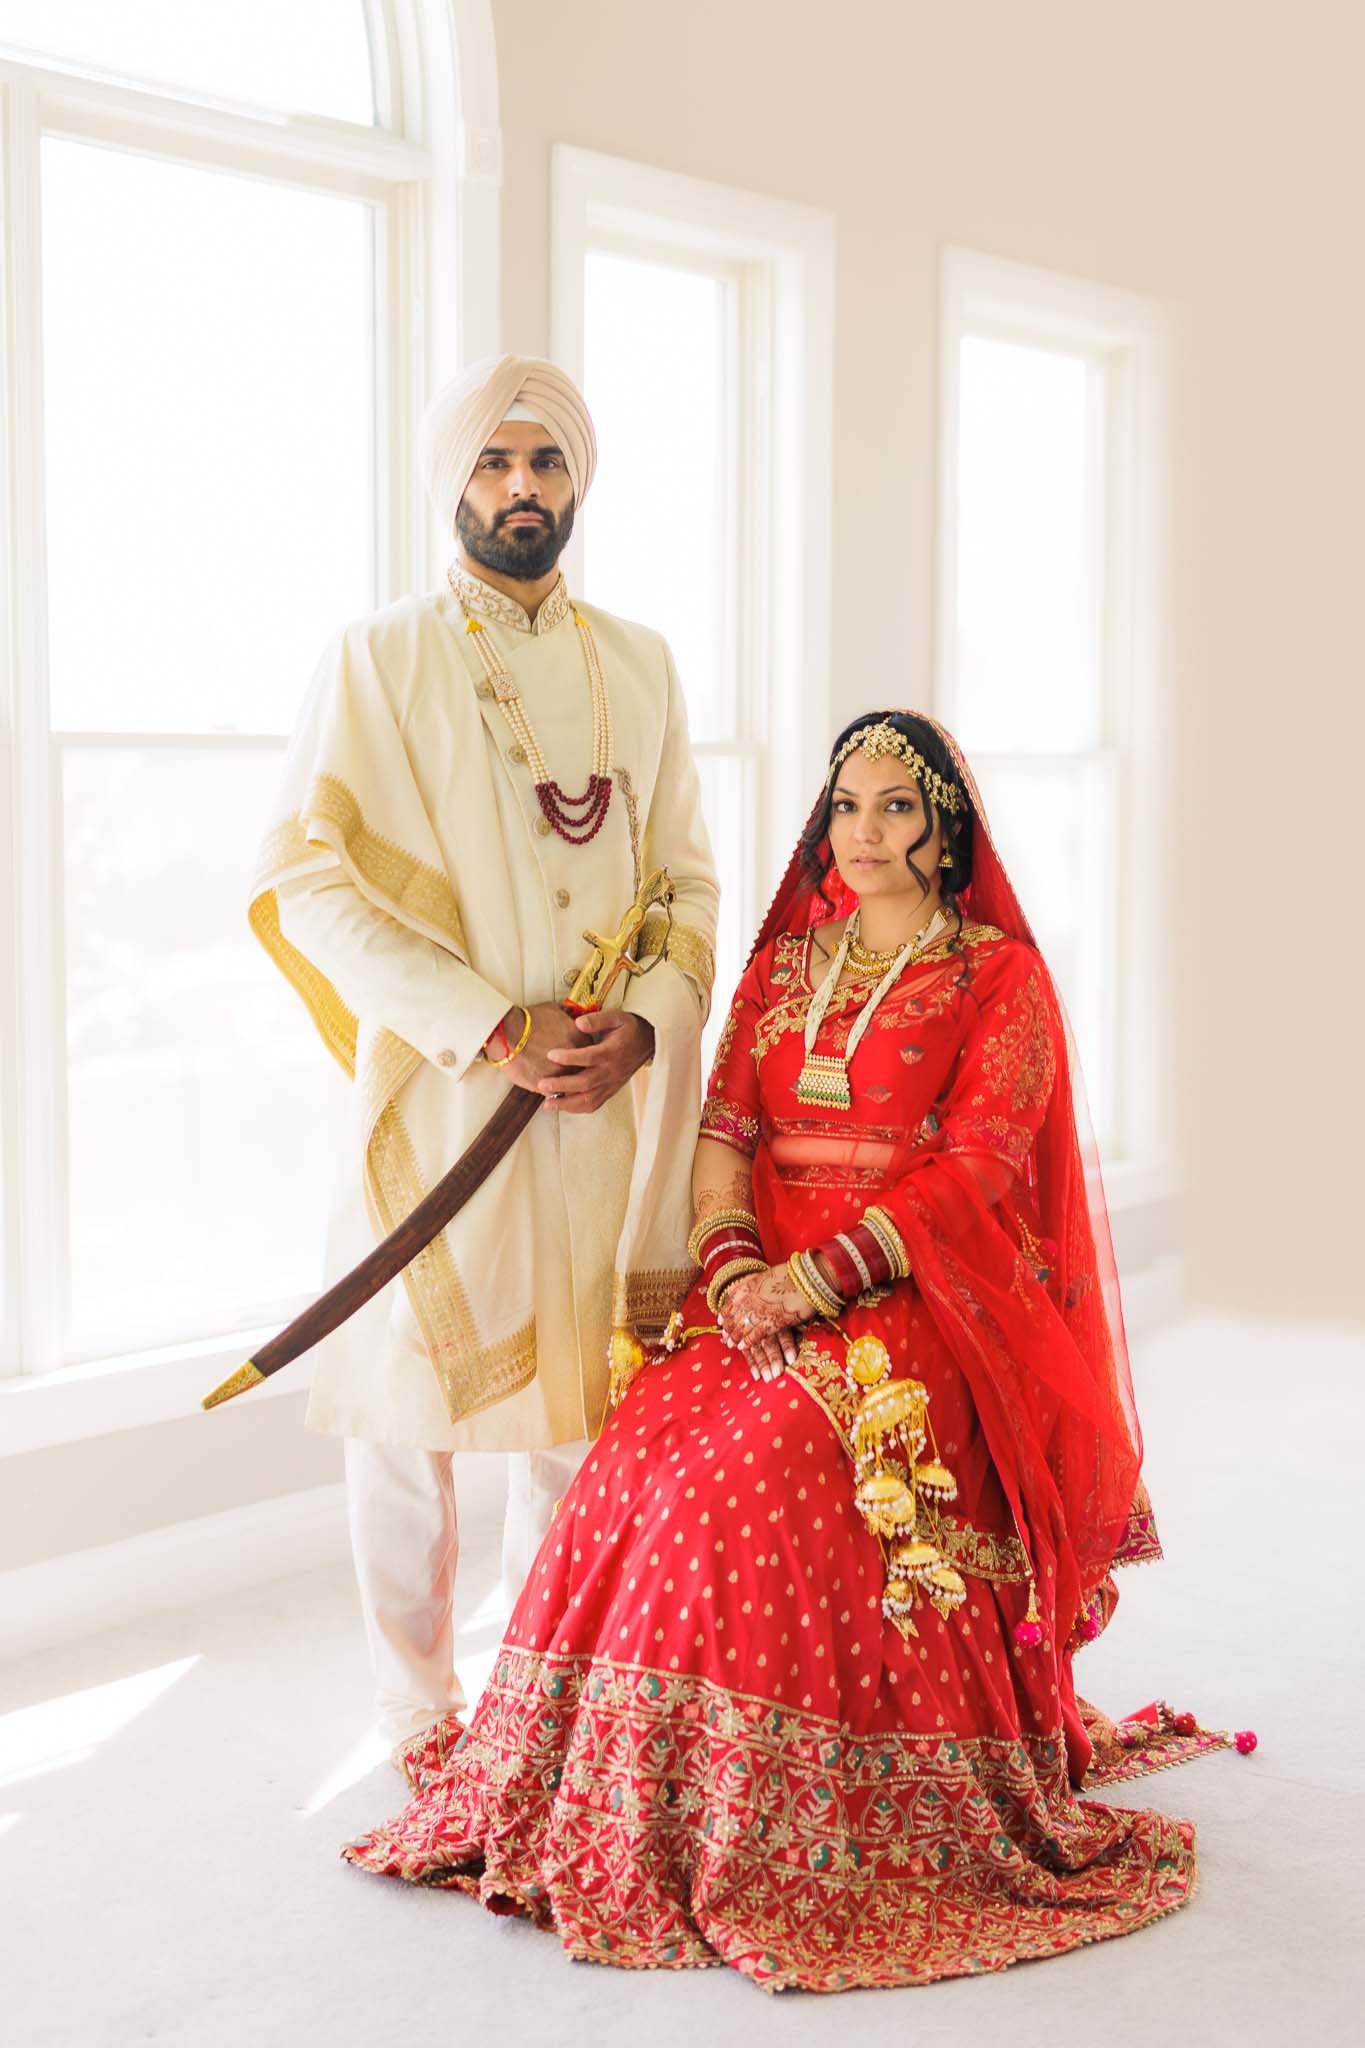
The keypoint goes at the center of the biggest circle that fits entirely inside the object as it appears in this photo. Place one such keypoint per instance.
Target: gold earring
(945, 859)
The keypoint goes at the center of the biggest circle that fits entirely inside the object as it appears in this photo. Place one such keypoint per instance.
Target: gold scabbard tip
(244, 1377)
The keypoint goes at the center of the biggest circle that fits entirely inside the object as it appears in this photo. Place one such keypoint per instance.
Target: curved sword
(609, 959)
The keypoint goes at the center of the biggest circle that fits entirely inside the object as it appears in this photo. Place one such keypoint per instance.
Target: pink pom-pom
(1246, 1741)
(1028, 1634)
(1090, 1628)
(1185, 1724)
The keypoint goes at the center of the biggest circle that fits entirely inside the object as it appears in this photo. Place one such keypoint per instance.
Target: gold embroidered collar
(487, 603)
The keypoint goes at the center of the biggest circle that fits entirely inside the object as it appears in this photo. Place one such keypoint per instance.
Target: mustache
(519, 511)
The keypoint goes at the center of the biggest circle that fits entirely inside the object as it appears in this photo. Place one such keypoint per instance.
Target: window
(301, 56)
(1051, 445)
(210, 352)
(698, 317)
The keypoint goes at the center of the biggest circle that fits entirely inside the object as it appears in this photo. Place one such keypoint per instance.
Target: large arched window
(231, 269)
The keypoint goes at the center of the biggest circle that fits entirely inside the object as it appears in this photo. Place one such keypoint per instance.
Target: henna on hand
(761, 1304)
(771, 1356)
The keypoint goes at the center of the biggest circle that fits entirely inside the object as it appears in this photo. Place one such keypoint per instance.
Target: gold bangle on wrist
(520, 1045)
(888, 1236)
(719, 1219)
(722, 1282)
(809, 1282)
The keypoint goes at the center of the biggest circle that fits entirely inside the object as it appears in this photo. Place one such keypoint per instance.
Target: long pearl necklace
(575, 818)
(823, 1081)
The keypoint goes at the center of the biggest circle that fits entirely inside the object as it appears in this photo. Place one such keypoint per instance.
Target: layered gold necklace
(823, 1081)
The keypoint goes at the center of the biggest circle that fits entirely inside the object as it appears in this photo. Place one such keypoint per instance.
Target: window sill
(142, 1387)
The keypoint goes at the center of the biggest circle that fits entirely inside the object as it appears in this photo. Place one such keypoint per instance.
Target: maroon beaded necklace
(577, 819)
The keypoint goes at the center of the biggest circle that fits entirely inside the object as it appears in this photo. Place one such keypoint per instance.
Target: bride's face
(876, 817)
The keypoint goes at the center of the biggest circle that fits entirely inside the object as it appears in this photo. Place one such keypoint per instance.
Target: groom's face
(517, 511)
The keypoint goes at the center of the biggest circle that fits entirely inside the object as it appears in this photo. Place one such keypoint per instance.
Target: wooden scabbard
(398, 1249)
(609, 959)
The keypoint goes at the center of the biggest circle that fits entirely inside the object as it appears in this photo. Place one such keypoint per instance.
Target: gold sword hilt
(610, 957)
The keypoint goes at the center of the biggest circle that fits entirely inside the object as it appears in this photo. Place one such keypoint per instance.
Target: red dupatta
(1047, 1364)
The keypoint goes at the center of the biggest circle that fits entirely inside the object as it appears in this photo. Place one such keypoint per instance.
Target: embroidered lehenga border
(660, 1821)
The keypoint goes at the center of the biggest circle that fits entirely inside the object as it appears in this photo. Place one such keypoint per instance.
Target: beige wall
(1205, 151)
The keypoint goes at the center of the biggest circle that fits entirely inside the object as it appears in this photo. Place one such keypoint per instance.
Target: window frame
(431, 170)
(1126, 334)
(779, 257)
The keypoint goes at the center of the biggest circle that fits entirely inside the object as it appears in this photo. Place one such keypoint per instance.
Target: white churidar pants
(406, 1544)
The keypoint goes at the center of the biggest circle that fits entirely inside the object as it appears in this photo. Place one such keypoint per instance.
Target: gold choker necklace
(870, 966)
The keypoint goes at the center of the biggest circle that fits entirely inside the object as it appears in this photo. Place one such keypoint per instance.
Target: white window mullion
(34, 1102)
(752, 554)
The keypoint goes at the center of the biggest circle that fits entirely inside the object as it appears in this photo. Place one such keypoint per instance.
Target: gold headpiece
(880, 739)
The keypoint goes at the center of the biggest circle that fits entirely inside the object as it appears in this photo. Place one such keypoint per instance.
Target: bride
(790, 1684)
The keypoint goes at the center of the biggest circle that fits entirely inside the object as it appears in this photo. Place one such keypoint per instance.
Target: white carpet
(175, 1792)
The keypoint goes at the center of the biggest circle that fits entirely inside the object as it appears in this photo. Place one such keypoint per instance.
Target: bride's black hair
(958, 827)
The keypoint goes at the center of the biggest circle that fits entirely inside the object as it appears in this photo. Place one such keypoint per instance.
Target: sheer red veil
(1050, 1376)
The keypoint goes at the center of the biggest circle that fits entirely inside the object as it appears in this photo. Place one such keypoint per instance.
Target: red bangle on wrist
(725, 1247)
(856, 1260)
(835, 1263)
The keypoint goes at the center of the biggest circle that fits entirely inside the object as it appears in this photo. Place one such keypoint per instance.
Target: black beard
(525, 553)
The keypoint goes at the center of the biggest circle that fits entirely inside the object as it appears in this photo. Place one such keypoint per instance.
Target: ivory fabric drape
(411, 891)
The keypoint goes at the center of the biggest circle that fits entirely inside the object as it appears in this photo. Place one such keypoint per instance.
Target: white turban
(460, 420)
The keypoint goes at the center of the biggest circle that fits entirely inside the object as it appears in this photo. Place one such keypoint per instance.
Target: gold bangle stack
(890, 1240)
(811, 1282)
(724, 1280)
(520, 1045)
(719, 1219)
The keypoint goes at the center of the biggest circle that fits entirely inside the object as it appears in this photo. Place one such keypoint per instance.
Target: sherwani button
(562, 898)
(483, 689)
(446, 1058)
(517, 752)
(543, 827)
(570, 976)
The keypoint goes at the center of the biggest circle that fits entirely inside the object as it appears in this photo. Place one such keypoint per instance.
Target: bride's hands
(760, 1316)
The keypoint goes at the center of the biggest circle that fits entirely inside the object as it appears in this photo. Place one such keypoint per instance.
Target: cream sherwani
(412, 891)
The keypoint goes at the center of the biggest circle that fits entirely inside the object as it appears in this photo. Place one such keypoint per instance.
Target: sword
(608, 960)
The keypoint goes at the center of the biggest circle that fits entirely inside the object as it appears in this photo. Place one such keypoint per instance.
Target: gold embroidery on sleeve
(688, 949)
(644, 1301)
(393, 875)
(1018, 1060)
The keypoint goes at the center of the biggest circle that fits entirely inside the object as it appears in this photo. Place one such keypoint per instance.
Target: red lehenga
(703, 1741)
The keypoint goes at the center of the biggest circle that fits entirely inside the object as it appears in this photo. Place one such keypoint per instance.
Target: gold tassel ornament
(898, 1498)
(625, 1356)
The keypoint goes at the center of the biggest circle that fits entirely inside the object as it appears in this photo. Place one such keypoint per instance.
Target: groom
(480, 775)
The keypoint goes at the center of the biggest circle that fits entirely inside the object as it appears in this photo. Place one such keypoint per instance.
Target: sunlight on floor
(55, 1734)
(359, 1760)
